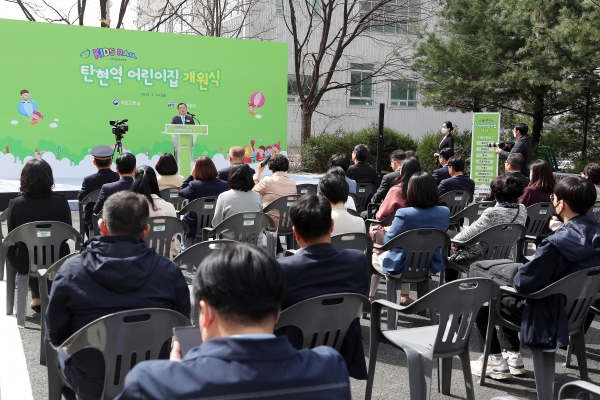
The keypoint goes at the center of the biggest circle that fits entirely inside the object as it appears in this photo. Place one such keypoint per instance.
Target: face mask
(514, 134)
(444, 130)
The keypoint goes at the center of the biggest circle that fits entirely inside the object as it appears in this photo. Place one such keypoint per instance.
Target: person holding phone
(239, 290)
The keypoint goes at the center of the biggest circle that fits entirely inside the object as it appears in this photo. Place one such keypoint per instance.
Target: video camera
(119, 128)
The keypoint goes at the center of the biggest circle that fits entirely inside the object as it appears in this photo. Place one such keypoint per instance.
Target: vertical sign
(484, 162)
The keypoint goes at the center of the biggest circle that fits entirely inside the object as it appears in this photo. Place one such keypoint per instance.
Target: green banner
(484, 161)
(59, 93)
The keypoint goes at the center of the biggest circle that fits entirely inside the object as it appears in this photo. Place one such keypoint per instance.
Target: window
(362, 89)
(403, 94)
(398, 16)
(278, 6)
(293, 94)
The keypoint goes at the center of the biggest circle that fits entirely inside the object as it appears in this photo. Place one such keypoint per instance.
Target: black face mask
(558, 217)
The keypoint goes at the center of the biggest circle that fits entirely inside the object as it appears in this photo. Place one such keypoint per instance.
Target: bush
(318, 149)
(429, 143)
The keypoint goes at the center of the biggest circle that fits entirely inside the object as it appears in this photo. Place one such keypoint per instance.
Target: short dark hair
(311, 216)
(522, 127)
(361, 151)
(398, 155)
(241, 282)
(422, 191)
(410, 166)
(126, 163)
(240, 177)
(24, 91)
(579, 193)
(457, 163)
(36, 178)
(167, 165)
(126, 213)
(542, 177)
(446, 153)
(334, 188)
(204, 169)
(515, 160)
(181, 104)
(592, 171)
(337, 171)
(339, 160)
(102, 163)
(146, 184)
(411, 153)
(507, 188)
(279, 162)
(448, 125)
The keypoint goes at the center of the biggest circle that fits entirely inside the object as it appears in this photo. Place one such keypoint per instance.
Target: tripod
(118, 145)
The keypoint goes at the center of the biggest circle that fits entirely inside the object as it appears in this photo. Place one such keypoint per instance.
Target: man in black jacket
(236, 155)
(396, 159)
(126, 170)
(114, 272)
(522, 145)
(456, 167)
(442, 173)
(360, 171)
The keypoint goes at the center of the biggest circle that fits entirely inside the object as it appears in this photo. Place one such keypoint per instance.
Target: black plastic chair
(595, 211)
(538, 216)
(386, 221)
(92, 197)
(456, 200)
(95, 227)
(457, 303)
(282, 206)
(357, 241)
(171, 195)
(354, 198)
(162, 231)
(204, 208)
(470, 213)
(193, 256)
(246, 227)
(364, 192)
(305, 188)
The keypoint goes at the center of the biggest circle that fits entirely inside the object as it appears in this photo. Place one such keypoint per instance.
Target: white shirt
(343, 222)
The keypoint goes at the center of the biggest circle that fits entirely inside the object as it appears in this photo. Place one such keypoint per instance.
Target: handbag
(500, 271)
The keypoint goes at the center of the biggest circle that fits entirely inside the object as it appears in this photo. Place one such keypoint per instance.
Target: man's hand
(175, 352)
(498, 150)
(436, 154)
(454, 247)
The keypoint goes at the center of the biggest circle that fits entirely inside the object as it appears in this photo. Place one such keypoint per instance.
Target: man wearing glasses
(522, 146)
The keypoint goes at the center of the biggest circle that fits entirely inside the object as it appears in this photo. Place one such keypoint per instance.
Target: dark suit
(458, 182)
(320, 269)
(440, 174)
(224, 173)
(522, 146)
(386, 183)
(362, 173)
(518, 174)
(94, 182)
(108, 189)
(241, 368)
(448, 141)
(177, 120)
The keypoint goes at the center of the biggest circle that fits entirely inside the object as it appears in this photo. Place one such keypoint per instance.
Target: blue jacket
(414, 218)
(458, 182)
(239, 368)
(573, 247)
(108, 189)
(194, 189)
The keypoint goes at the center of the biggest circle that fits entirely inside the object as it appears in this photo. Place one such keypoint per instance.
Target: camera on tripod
(119, 128)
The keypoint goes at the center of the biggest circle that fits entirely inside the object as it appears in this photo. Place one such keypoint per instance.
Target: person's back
(361, 172)
(333, 187)
(458, 181)
(126, 169)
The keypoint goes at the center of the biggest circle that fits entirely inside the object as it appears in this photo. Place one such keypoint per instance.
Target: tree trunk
(538, 119)
(586, 120)
(306, 126)
(103, 21)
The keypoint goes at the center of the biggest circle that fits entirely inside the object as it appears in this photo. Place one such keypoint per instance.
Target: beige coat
(273, 187)
(167, 181)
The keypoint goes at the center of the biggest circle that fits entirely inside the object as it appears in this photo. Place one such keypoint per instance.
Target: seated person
(422, 211)
(512, 166)
(442, 173)
(114, 272)
(458, 181)
(573, 247)
(342, 161)
(238, 290)
(126, 170)
(361, 172)
(236, 155)
(541, 185)
(592, 172)
(167, 169)
(349, 204)
(318, 269)
(396, 159)
(335, 189)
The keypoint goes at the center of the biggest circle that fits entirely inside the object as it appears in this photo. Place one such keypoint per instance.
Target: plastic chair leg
(444, 375)
(392, 287)
(21, 299)
(372, 361)
(1, 261)
(420, 367)
(543, 369)
(11, 273)
(578, 340)
(422, 289)
(465, 361)
(54, 380)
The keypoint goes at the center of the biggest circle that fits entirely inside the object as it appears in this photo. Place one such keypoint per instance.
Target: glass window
(403, 94)
(361, 92)
(293, 87)
(400, 17)
(278, 6)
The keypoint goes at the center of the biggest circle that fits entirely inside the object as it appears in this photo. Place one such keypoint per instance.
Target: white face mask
(515, 133)
(444, 130)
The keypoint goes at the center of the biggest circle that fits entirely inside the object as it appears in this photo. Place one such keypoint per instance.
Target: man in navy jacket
(239, 291)
(114, 272)
(442, 173)
(361, 172)
(126, 170)
(318, 269)
(456, 167)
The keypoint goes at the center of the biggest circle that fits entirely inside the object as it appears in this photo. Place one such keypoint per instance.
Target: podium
(184, 137)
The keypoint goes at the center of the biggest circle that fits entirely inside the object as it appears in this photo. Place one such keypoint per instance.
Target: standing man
(182, 118)
(236, 155)
(126, 170)
(522, 145)
(102, 160)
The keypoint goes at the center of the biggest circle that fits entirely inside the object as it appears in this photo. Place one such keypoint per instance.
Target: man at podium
(182, 118)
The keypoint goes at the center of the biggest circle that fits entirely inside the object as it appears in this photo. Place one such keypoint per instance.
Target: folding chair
(162, 231)
(364, 191)
(456, 200)
(282, 206)
(171, 195)
(92, 197)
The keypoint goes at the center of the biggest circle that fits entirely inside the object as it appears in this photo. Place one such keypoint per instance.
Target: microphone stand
(194, 118)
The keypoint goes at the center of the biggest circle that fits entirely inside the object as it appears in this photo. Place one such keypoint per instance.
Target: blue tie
(183, 120)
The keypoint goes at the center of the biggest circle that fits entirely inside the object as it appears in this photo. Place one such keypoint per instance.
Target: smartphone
(188, 338)
(266, 160)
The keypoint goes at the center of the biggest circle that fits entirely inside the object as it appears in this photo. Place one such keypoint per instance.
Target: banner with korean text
(61, 85)
(484, 162)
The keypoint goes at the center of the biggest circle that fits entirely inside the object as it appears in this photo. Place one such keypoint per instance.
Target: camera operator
(522, 146)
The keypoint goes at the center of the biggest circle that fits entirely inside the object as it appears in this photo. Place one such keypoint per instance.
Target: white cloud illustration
(55, 119)
(14, 122)
(53, 125)
(258, 116)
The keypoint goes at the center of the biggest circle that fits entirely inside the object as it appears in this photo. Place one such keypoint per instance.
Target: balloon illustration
(258, 99)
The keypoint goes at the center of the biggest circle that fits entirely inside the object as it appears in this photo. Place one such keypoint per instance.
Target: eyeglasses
(552, 197)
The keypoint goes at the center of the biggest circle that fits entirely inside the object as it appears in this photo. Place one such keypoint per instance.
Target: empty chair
(204, 208)
(456, 200)
(246, 227)
(124, 338)
(193, 256)
(457, 303)
(162, 231)
(364, 192)
(172, 196)
(282, 206)
(579, 390)
(324, 320)
(305, 188)
(471, 213)
(90, 198)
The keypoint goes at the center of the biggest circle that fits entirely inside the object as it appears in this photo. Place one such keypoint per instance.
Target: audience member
(126, 169)
(238, 290)
(236, 155)
(422, 211)
(318, 269)
(239, 198)
(506, 189)
(36, 202)
(458, 181)
(340, 172)
(573, 247)
(592, 172)
(335, 189)
(412, 154)
(114, 272)
(512, 166)
(167, 169)
(342, 161)
(522, 146)
(396, 197)
(442, 173)
(202, 182)
(541, 185)
(446, 142)
(396, 160)
(146, 184)
(102, 161)
(361, 172)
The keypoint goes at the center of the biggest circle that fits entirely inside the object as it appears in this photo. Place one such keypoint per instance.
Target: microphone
(189, 113)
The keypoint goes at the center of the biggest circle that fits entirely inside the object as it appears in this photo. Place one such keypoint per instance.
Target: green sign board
(58, 95)
(193, 129)
(484, 161)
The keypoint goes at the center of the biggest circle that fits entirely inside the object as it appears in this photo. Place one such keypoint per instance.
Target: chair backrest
(95, 227)
(162, 230)
(579, 390)
(324, 320)
(204, 208)
(364, 192)
(538, 216)
(124, 339)
(43, 240)
(419, 246)
(500, 240)
(356, 240)
(246, 226)
(305, 188)
(595, 211)
(456, 200)
(471, 213)
(193, 255)
(282, 206)
(354, 198)
(92, 197)
(171, 195)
